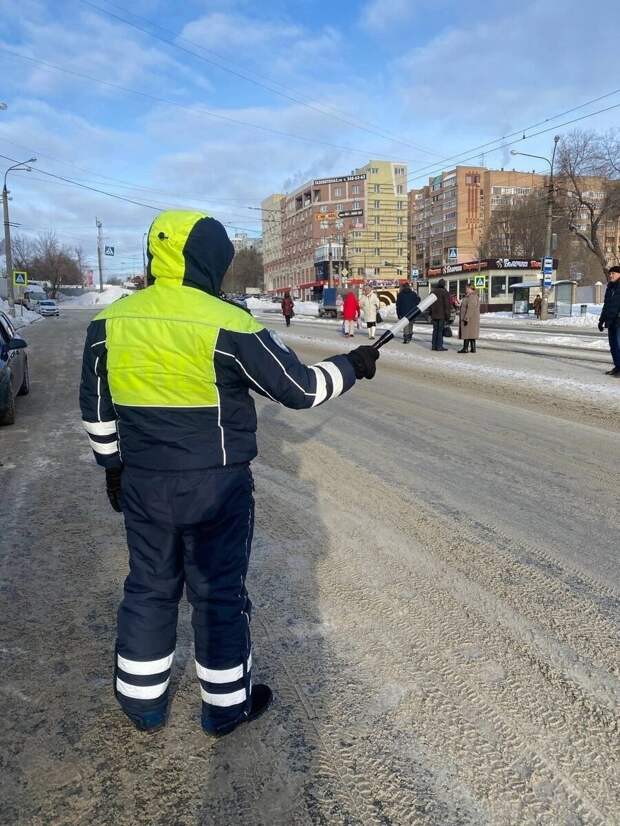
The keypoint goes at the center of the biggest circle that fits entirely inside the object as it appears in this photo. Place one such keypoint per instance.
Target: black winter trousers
(193, 529)
(438, 326)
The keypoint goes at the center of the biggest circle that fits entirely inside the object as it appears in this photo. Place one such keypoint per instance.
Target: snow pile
(576, 320)
(263, 305)
(93, 299)
(22, 315)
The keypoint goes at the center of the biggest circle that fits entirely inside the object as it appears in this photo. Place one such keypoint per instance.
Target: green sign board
(480, 282)
(20, 279)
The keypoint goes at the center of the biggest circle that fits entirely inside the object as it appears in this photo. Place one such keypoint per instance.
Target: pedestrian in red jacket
(287, 308)
(350, 313)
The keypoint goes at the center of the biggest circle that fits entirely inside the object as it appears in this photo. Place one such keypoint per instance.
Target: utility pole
(99, 259)
(330, 276)
(144, 284)
(7, 250)
(544, 304)
(344, 255)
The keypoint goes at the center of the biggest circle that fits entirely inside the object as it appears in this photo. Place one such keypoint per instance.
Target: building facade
(448, 216)
(352, 226)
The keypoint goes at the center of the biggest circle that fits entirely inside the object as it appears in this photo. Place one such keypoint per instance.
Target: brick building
(448, 216)
(355, 224)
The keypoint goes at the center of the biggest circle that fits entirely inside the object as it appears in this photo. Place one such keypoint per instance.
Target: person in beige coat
(370, 305)
(469, 319)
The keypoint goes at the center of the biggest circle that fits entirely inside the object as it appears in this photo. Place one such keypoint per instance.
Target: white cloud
(378, 15)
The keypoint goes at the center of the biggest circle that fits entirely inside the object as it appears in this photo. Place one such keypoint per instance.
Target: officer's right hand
(364, 360)
(113, 487)
(601, 326)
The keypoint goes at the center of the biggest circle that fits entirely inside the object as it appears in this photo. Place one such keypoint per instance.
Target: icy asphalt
(436, 590)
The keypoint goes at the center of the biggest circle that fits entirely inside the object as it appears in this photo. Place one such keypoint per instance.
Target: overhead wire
(199, 111)
(176, 45)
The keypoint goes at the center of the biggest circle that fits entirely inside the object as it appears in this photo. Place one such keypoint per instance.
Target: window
(399, 170)
(376, 204)
(400, 252)
(338, 193)
(399, 236)
(356, 189)
(360, 271)
(357, 205)
(376, 236)
(323, 208)
(339, 207)
(377, 270)
(377, 251)
(357, 234)
(376, 219)
(374, 170)
(316, 195)
(376, 188)
(400, 204)
(357, 250)
(400, 221)
(399, 189)
(498, 285)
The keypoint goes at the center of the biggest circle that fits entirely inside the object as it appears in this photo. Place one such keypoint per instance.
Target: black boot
(473, 345)
(262, 698)
(465, 347)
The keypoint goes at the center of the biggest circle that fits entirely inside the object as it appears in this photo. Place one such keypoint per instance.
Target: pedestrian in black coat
(440, 314)
(610, 318)
(406, 301)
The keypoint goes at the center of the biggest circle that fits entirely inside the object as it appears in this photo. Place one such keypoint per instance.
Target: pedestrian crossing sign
(480, 282)
(20, 279)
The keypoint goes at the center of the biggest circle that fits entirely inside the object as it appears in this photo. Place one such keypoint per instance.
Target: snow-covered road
(436, 604)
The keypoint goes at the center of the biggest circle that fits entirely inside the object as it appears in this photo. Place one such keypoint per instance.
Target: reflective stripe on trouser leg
(216, 561)
(147, 616)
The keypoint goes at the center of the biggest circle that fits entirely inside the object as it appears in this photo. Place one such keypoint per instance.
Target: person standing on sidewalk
(610, 318)
(406, 301)
(469, 319)
(165, 401)
(288, 306)
(350, 313)
(370, 305)
(440, 314)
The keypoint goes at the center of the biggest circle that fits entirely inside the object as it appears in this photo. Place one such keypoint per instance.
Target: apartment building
(243, 241)
(447, 217)
(353, 225)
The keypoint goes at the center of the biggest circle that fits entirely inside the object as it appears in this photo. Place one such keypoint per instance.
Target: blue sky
(414, 81)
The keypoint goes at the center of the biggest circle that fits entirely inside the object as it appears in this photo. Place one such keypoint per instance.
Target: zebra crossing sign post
(480, 282)
(20, 278)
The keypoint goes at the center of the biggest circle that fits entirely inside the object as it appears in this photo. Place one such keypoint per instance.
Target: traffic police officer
(165, 402)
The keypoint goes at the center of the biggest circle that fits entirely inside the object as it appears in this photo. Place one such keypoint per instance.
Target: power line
(414, 176)
(176, 45)
(196, 111)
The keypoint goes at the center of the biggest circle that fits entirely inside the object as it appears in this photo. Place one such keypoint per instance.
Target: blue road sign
(547, 266)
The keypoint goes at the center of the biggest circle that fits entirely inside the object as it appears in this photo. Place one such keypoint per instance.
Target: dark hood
(189, 248)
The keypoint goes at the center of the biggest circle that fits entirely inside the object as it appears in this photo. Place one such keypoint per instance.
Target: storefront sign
(342, 180)
(351, 213)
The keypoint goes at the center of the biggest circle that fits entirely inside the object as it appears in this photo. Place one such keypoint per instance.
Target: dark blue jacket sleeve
(98, 414)
(265, 364)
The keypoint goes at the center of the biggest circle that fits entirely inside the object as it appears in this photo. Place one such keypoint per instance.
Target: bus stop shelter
(561, 296)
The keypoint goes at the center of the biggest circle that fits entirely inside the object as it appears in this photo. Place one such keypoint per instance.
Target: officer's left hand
(113, 487)
(363, 360)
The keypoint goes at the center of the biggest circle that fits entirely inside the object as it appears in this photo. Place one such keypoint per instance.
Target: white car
(48, 307)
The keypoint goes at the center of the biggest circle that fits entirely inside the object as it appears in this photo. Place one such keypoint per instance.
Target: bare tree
(23, 250)
(246, 270)
(588, 191)
(516, 229)
(54, 263)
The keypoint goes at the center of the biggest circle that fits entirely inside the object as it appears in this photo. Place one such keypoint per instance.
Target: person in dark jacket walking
(610, 318)
(440, 314)
(469, 319)
(406, 301)
(288, 306)
(165, 402)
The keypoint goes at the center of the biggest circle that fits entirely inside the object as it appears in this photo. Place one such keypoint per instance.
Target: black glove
(464, 324)
(113, 486)
(601, 326)
(363, 360)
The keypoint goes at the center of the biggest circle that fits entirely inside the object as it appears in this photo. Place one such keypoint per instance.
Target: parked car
(14, 377)
(48, 307)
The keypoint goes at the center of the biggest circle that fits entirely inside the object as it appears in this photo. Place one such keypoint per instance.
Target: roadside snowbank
(23, 317)
(590, 319)
(93, 299)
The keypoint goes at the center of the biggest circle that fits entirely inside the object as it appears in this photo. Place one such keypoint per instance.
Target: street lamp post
(544, 305)
(8, 256)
